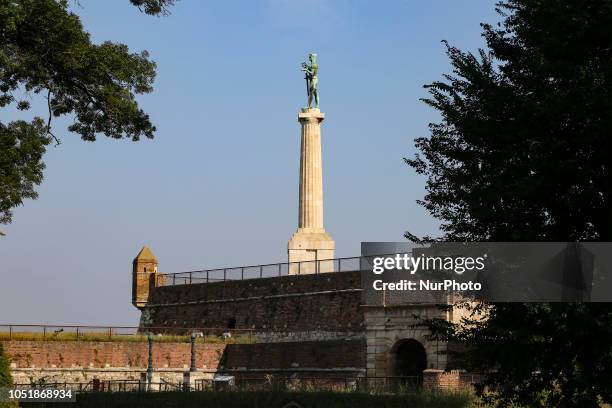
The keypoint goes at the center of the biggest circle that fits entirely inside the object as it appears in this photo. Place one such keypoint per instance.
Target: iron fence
(467, 380)
(259, 271)
(47, 332)
(257, 383)
(310, 383)
(105, 386)
(73, 386)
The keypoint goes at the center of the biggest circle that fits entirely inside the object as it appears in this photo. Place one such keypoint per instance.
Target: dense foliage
(45, 51)
(522, 154)
(522, 150)
(5, 371)
(5, 378)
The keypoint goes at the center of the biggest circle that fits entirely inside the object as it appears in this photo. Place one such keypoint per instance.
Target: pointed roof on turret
(145, 255)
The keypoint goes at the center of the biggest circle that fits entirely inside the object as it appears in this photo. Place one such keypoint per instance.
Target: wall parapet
(317, 302)
(249, 289)
(300, 268)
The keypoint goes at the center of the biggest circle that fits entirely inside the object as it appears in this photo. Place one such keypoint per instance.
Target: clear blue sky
(218, 184)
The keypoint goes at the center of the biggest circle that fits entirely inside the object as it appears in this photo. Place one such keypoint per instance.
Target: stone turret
(143, 266)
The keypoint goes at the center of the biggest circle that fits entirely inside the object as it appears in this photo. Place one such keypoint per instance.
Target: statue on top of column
(312, 81)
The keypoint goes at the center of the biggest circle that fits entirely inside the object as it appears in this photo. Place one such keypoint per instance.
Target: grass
(269, 399)
(85, 336)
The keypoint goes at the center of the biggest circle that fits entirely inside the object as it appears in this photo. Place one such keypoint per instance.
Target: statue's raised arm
(312, 81)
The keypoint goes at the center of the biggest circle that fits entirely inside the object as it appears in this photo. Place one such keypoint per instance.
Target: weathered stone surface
(85, 375)
(105, 354)
(386, 326)
(306, 355)
(143, 266)
(449, 380)
(310, 242)
(309, 303)
(82, 361)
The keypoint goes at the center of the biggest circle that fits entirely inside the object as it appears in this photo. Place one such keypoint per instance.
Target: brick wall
(308, 354)
(288, 303)
(453, 380)
(69, 354)
(79, 361)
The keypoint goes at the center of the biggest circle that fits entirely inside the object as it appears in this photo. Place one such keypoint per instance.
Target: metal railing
(73, 386)
(58, 332)
(319, 383)
(259, 271)
(104, 386)
(258, 383)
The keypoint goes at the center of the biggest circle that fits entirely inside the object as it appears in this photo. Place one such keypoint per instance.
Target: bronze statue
(312, 81)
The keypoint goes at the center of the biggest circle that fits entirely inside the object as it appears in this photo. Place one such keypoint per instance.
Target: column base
(308, 251)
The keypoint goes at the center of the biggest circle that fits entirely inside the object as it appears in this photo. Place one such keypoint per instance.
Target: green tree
(45, 51)
(5, 371)
(522, 154)
(6, 380)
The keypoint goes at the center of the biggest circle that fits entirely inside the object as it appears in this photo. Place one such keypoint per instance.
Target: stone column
(310, 244)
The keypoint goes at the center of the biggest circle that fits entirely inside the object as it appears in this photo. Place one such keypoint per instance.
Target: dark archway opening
(410, 360)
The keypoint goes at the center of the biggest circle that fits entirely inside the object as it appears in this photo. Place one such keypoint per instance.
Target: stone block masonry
(347, 355)
(324, 302)
(310, 242)
(387, 327)
(82, 361)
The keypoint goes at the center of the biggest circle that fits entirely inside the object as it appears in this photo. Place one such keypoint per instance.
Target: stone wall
(324, 302)
(310, 335)
(387, 326)
(337, 355)
(91, 354)
(454, 380)
(82, 361)
(86, 375)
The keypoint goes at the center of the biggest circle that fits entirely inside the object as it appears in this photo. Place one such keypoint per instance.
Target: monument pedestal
(310, 249)
(310, 244)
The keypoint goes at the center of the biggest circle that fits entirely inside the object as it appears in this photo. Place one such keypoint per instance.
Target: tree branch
(57, 141)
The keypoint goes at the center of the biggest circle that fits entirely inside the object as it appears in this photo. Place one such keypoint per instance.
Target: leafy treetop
(522, 154)
(44, 50)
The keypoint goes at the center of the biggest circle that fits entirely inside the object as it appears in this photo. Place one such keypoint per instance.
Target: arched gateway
(410, 358)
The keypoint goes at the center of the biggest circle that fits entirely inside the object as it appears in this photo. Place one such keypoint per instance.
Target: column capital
(311, 115)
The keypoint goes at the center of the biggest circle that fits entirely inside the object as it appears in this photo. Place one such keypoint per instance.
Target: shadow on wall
(340, 358)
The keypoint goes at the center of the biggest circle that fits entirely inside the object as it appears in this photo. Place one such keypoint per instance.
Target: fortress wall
(233, 289)
(82, 361)
(74, 376)
(328, 355)
(111, 354)
(324, 302)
